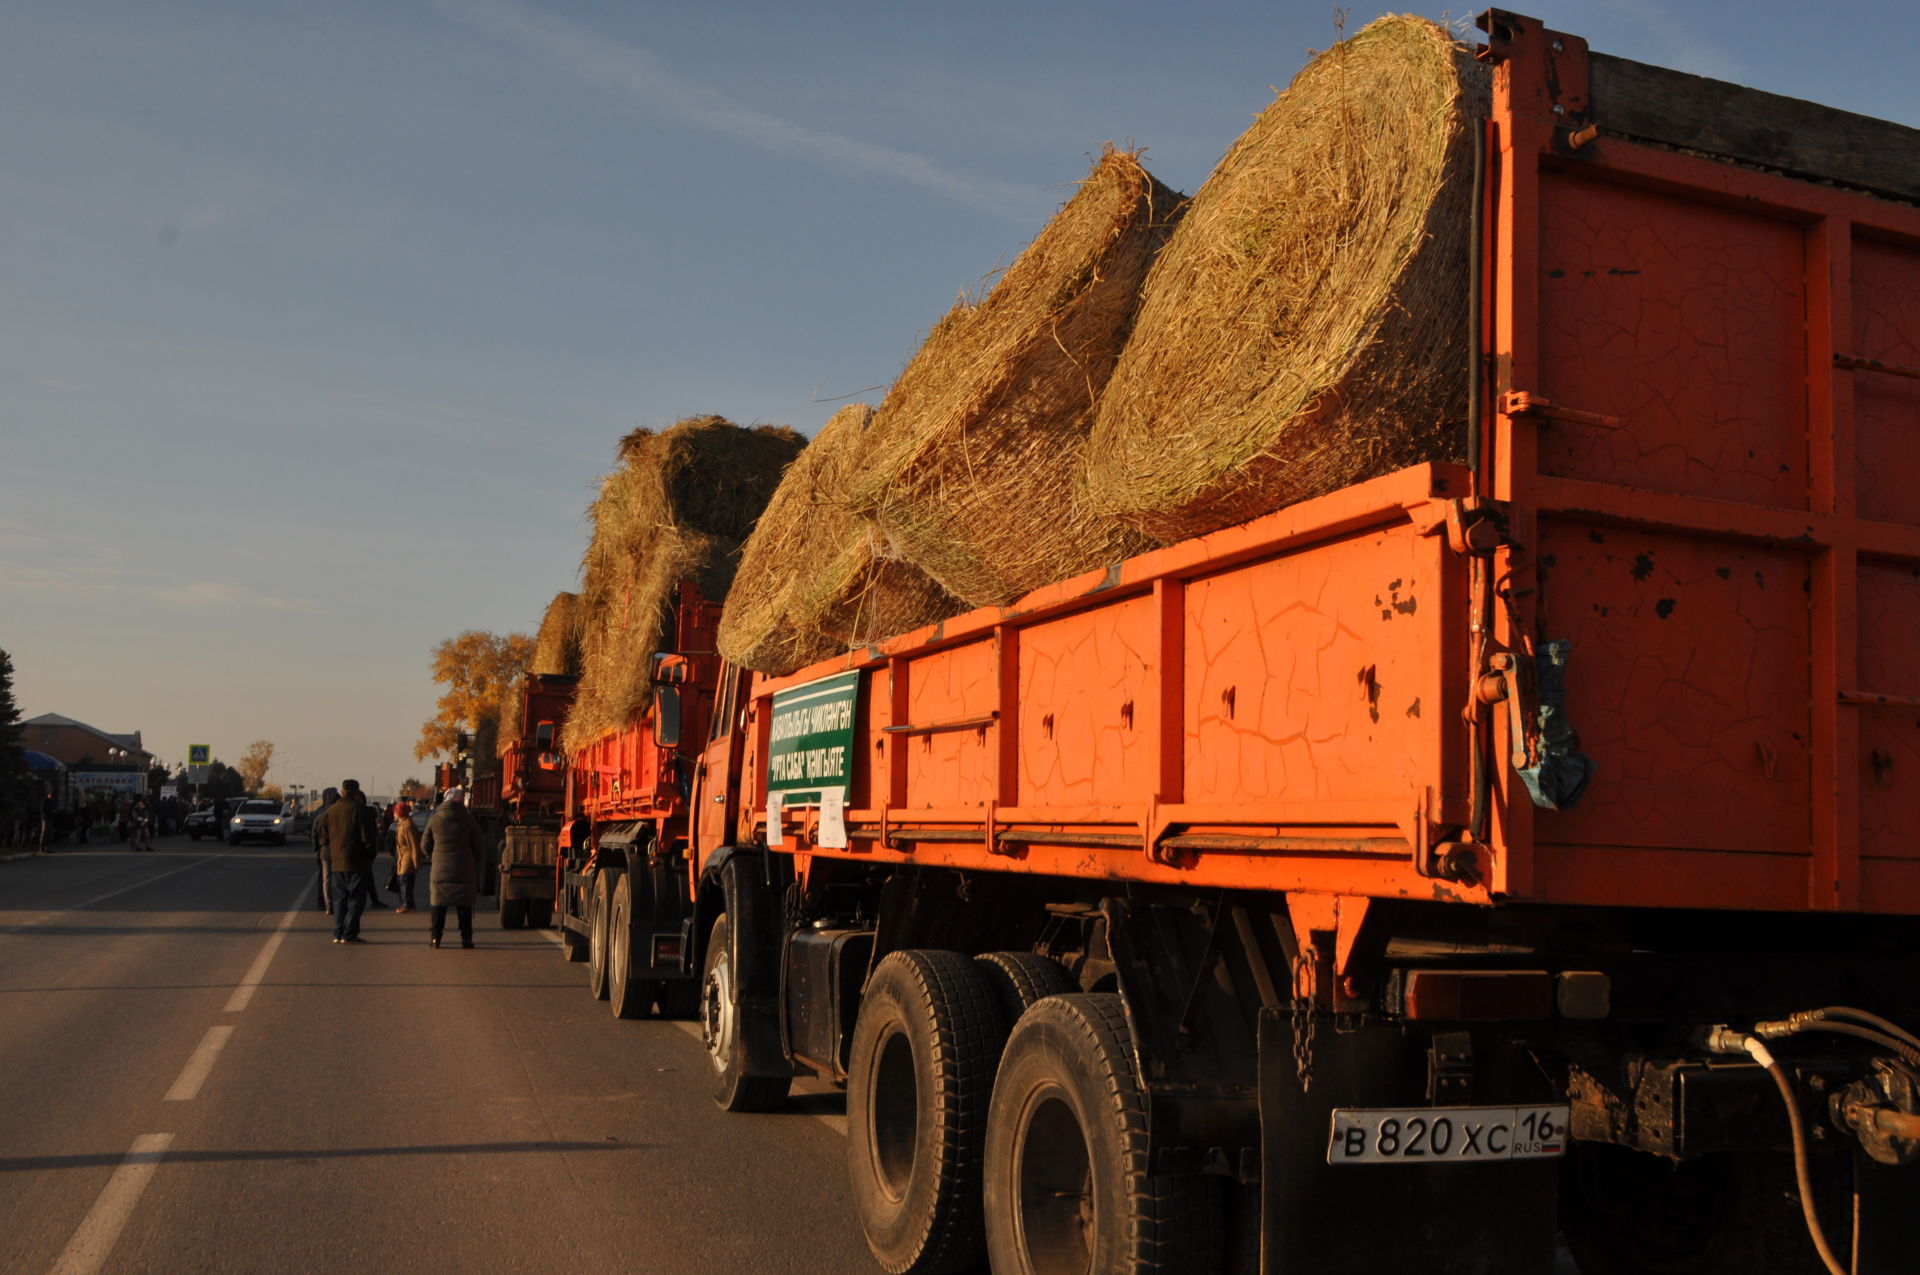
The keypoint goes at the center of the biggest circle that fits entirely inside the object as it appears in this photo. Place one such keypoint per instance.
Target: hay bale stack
(556, 652)
(976, 452)
(1306, 325)
(815, 579)
(556, 648)
(677, 508)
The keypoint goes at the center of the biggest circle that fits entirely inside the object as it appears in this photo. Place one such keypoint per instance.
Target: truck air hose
(1813, 1022)
(1797, 1022)
(1730, 1042)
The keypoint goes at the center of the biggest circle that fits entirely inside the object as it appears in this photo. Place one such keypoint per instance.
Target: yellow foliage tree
(479, 670)
(254, 766)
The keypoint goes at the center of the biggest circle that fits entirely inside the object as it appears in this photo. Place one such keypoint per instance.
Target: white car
(262, 819)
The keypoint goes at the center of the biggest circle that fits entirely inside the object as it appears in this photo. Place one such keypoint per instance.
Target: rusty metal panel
(1087, 686)
(1890, 733)
(950, 767)
(1316, 676)
(1886, 329)
(1683, 322)
(1688, 684)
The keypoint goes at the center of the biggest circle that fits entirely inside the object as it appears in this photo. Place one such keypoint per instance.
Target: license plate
(1446, 1135)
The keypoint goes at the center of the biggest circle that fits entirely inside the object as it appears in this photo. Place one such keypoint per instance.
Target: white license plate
(1446, 1135)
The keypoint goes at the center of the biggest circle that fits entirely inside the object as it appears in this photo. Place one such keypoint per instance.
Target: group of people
(347, 836)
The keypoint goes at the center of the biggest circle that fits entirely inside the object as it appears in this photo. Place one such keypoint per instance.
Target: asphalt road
(194, 1077)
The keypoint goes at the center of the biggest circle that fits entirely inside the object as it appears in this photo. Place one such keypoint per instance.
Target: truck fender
(737, 884)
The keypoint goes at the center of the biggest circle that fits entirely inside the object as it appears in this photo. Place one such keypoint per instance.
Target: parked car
(265, 820)
(202, 823)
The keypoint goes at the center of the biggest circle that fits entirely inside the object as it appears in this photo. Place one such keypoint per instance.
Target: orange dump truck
(1479, 852)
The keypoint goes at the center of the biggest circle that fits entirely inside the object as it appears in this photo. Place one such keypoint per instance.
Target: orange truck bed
(1698, 405)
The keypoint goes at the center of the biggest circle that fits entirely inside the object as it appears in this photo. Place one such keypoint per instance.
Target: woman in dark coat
(453, 846)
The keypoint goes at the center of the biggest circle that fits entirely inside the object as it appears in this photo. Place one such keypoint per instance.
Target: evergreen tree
(19, 790)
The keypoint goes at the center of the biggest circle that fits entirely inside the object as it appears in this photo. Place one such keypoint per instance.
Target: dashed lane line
(195, 1073)
(88, 1250)
(243, 994)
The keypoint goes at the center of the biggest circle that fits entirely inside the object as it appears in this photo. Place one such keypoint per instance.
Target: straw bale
(816, 579)
(677, 508)
(1305, 327)
(975, 454)
(556, 648)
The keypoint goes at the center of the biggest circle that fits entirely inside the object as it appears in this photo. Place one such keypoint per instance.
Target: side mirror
(666, 716)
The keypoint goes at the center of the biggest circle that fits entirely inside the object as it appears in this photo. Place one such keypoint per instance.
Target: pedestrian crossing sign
(199, 754)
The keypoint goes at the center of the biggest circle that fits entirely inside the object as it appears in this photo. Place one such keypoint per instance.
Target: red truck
(1477, 853)
(622, 872)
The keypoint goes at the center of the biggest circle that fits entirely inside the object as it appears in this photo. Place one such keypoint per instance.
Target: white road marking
(243, 994)
(114, 894)
(93, 1243)
(553, 936)
(194, 1074)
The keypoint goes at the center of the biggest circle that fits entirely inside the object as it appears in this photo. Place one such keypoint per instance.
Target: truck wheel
(632, 997)
(1021, 978)
(720, 1011)
(540, 913)
(921, 1074)
(597, 904)
(1067, 1180)
(679, 998)
(513, 912)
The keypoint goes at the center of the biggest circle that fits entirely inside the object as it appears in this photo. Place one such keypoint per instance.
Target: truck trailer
(1485, 851)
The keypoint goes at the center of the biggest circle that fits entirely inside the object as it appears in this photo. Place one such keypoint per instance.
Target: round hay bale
(815, 580)
(556, 648)
(1305, 327)
(975, 454)
(676, 509)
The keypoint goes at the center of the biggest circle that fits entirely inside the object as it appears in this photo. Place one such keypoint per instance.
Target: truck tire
(1021, 978)
(720, 1009)
(540, 913)
(1067, 1181)
(513, 912)
(680, 998)
(920, 1077)
(632, 997)
(598, 905)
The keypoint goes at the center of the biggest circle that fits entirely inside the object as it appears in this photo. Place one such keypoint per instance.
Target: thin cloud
(634, 70)
(199, 597)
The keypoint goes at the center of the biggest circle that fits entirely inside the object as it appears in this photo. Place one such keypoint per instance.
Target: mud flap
(1462, 1219)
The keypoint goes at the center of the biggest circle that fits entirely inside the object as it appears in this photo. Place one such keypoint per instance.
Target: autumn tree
(254, 766)
(413, 790)
(479, 671)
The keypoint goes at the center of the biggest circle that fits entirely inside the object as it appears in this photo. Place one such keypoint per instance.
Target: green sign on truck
(811, 752)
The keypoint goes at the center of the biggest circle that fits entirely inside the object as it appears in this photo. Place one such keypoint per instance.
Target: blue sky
(318, 322)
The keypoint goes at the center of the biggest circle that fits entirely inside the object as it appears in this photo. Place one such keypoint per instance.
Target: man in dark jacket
(454, 847)
(327, 798)
(344, 834)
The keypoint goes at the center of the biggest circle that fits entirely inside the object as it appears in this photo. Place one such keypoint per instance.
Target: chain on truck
(1475, 855)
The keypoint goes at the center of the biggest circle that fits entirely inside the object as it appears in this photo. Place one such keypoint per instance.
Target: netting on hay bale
(975, 455)
(1305, 327)
(815, 579)
(677, 508)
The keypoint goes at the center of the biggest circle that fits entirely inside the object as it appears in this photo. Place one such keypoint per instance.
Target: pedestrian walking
(453, 846)
(406, 853)
(346, 833)
(141, 837)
